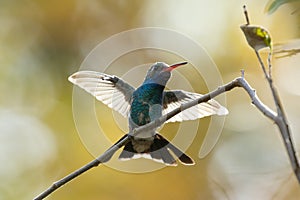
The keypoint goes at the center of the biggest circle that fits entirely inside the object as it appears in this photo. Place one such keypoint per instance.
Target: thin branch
(243, 73)
(238, 82)
(101, 159)
(227, 87)
(281, 121)
(270, 64)
(256, 101)
(262, 65)
(246, 15)
(287, 52)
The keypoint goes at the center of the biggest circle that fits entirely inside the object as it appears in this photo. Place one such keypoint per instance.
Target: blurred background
(43, 42)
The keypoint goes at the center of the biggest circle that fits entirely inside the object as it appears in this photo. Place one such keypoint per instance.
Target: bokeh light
(43, 42)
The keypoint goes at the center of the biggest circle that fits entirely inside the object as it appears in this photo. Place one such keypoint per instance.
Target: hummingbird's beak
(171, 67)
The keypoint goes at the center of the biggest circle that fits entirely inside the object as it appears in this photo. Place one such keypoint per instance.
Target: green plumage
(145, 102)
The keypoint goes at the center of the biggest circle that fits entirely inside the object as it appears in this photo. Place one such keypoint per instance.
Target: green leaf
(257, 36)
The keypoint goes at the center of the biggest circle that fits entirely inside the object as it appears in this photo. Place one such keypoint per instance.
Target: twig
(238, 82)
(270, 64)
(262, 65)
(287, 52)
(281, 121)
(243, 73)
(256, 101)
(101, 159)
(246, 15)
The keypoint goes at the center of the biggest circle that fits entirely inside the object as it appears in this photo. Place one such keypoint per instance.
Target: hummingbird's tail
(159, 151)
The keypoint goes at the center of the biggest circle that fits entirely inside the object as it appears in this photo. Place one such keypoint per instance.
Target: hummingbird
(145, 104)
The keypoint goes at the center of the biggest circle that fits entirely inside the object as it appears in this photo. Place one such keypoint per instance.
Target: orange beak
(171, 67)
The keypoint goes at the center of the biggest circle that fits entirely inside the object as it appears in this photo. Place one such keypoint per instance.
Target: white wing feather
(110, 90)
(174, 98)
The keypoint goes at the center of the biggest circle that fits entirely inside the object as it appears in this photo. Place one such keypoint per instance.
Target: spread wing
(110, 90)
(174, 98)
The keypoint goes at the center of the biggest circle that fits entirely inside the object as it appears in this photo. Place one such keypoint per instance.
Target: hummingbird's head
(160, 72)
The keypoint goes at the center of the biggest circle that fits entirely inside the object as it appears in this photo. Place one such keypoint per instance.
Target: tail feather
(159, 151)
(128, 152)
(183, 158)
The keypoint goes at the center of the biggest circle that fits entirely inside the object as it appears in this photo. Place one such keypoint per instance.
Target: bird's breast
(146, 106)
